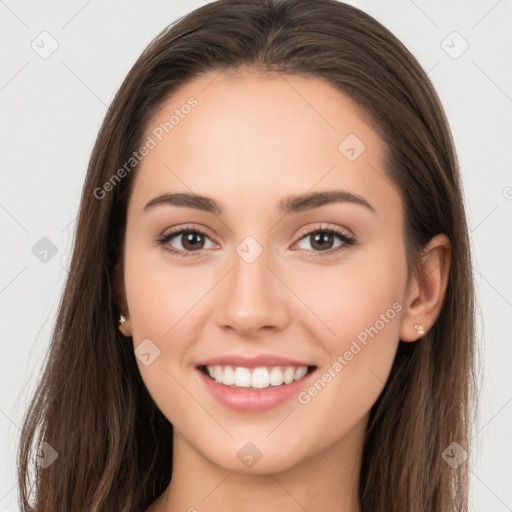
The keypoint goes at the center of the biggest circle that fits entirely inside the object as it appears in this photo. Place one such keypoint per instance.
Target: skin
(275, 136)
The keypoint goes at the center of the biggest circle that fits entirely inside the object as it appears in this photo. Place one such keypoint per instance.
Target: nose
(253, 301)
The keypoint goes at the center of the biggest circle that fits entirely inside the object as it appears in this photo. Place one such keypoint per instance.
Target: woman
(270, 303)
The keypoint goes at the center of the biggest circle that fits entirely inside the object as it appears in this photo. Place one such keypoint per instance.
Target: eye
(192, 240)
(321, 240)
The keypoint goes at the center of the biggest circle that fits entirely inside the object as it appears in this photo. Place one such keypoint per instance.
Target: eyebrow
(291, 204)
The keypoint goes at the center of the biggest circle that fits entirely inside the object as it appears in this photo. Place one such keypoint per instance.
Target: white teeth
(300, 372)
(242, 377)
(228, 377)
(257, 378)
(288, 375)
(276, 376)
(260, 378)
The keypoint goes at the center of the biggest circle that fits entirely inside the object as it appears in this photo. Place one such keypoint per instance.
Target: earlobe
(426, 292)
(124, 326)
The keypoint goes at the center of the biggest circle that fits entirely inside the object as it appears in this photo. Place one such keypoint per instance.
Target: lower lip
(244, 400)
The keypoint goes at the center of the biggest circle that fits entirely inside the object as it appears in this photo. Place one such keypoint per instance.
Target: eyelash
(346, 239)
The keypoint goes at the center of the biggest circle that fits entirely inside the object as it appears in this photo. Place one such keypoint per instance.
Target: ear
(121, 300)
(426, 290)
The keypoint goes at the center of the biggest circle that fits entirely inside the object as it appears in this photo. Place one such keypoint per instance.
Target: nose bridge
(252, 296)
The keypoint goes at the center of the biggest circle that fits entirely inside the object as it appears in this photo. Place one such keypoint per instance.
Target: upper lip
(252, 362)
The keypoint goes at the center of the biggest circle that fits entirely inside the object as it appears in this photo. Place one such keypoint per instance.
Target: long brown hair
(114, 446)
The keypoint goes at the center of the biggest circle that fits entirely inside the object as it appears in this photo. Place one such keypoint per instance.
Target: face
(291, 300)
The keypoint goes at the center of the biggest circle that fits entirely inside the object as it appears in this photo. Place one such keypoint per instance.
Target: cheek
(363, 299)
(159, 294)
(346, 299)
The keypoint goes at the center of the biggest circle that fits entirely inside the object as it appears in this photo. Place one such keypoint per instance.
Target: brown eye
(323, 240)
(185, 241)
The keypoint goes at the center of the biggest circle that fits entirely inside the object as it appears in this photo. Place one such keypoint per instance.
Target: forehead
(224, 135)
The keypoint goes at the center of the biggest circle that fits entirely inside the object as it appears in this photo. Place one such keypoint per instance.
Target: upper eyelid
(339, 230)
(181, 229)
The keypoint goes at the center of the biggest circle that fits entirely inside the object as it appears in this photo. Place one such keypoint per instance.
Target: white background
(51, 112)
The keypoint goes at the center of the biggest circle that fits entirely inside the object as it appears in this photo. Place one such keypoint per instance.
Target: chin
(255, 458)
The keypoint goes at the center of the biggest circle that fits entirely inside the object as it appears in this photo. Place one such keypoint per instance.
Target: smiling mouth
(262, 377)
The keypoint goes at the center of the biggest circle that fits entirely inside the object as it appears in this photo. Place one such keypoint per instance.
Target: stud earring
(419, 329)
(122, 320)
